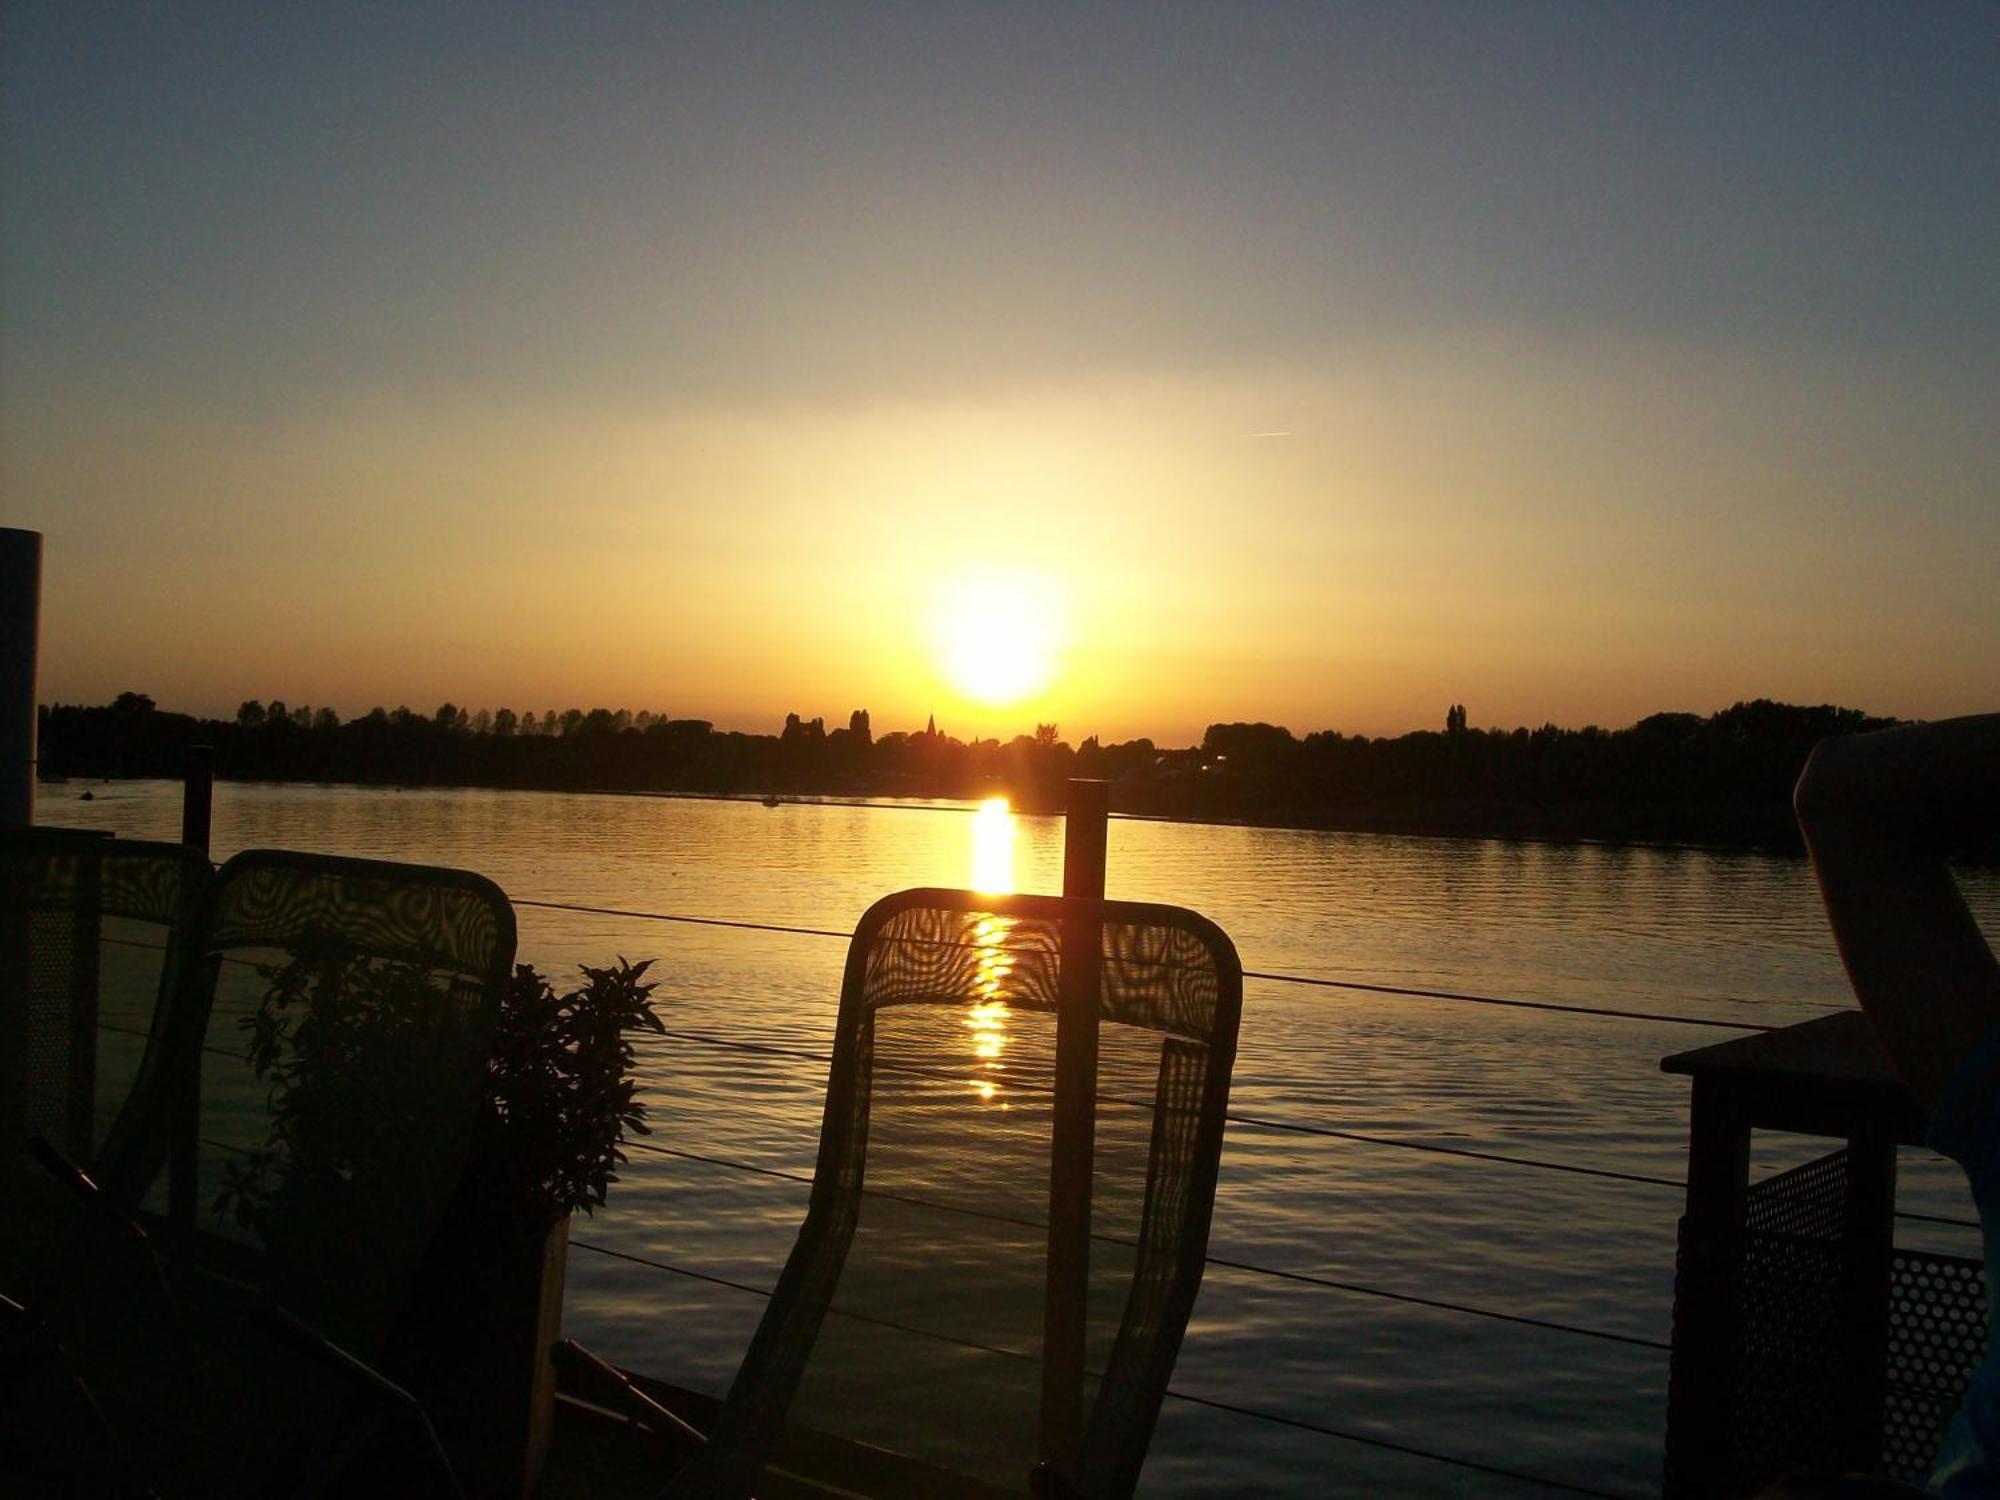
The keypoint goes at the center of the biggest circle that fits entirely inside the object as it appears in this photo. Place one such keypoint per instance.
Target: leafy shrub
(562, 1098)
(352, 1049)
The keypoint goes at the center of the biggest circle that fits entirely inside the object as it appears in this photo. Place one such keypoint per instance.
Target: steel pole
(20, 639)
(197, 795)
(1074, 1128)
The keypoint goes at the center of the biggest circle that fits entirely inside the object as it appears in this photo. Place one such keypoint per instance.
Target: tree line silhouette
(1724, 779)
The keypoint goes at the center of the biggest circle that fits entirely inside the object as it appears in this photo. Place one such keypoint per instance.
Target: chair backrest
(911, 1317)
(341, 1062)
(331, 1044)
(319, 1069)
(90, 931)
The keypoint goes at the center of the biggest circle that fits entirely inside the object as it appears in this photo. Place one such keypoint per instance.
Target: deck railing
(1238, 1120)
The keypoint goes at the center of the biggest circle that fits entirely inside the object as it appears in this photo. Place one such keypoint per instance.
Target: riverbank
(1671, 780)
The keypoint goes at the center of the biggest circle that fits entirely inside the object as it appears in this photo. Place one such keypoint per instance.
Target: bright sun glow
(993, 846)
(996, 637)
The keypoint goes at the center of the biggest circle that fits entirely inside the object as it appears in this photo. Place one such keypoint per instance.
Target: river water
(1685, 933)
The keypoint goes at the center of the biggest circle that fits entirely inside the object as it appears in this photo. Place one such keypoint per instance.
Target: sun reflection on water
(993, 847)
(986, 1017)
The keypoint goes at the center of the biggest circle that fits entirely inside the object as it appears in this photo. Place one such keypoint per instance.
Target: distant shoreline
(1670, 781)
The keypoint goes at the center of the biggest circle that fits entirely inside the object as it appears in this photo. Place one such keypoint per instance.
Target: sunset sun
(995, 637)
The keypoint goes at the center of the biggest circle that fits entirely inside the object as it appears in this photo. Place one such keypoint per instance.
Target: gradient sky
(1620, 357)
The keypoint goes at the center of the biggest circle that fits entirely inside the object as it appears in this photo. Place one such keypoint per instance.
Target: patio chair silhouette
(91, 933)
(315, 1125)
(932, 1334)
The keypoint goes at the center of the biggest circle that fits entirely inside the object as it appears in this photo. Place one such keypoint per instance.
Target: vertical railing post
(20, 639)
(1867, 1267)
(1702, 1371)
(197, 795)
(1074, 1130)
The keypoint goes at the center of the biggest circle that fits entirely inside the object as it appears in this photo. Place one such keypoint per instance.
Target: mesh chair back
(911, 1315)
(341, 1064)
(90, 937)
(338, 1022)
(89, 929)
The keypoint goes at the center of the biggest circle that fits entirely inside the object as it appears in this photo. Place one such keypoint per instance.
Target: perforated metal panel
(1790, 1313)
(1937, 1336)
(1794, 1347)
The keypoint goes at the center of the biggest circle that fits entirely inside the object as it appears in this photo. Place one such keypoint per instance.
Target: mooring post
(197, 795)
(20, 639)
(1074, 1131)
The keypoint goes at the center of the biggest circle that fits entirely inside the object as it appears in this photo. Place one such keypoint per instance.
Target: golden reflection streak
(992, 872)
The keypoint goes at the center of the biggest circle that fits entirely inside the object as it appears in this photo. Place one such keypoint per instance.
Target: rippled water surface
(1686, 933)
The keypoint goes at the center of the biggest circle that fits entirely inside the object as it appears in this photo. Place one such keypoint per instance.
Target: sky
(1126, 368)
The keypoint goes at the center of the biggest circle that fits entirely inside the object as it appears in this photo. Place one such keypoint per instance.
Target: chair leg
(606, 1384)
(392, 1406)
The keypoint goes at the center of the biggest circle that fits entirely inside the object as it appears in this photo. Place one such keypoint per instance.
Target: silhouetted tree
(857, 725)
(1248, 747)
(325, 721)
(1668, 727)
(250, 714)
(132, 703)
(505, 722)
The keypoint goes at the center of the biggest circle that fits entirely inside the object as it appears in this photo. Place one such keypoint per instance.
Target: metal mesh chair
(931, 1333)
(325, 1097)
(90, 937)
(345, 1051)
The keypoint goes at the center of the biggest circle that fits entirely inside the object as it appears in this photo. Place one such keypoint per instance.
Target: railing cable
(1222, 1262)
(1277, 1418)
(1540, 1164)
(1253, 1121)
(1508, 1003)
(1233, 1117)
(1392, 1446)
(1317, 982)
(663, 916)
